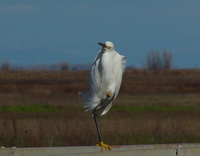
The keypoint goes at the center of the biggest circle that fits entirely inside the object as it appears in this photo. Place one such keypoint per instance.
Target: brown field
(162, 89)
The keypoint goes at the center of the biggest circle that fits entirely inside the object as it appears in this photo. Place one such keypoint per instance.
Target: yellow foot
(104, 145)
(109, 93)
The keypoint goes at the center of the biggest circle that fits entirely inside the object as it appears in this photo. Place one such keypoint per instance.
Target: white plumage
(105, 79)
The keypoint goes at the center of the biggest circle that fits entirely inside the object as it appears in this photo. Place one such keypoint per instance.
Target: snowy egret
(105, 81)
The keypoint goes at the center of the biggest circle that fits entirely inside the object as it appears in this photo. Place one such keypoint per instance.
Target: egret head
(107, 46)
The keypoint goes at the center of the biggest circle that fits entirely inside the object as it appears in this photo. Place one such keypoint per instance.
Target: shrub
(154, 61)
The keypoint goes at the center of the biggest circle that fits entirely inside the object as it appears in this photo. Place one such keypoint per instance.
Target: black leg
(101, 142)
(97, 126)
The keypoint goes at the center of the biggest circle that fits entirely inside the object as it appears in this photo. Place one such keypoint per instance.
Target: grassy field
(42, 108)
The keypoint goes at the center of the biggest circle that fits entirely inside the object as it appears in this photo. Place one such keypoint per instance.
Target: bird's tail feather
(90, 102)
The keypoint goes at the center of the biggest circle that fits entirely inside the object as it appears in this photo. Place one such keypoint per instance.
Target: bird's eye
(108, 47)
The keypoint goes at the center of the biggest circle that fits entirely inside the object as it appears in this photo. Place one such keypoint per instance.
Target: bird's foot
(104, 145)
(109, 93)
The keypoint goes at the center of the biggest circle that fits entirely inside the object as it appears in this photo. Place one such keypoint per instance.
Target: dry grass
(72, 131)
(72, 127)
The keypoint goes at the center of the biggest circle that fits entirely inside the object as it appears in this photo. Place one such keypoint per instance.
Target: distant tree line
(5, 65)
(155, 61)
(64, 65)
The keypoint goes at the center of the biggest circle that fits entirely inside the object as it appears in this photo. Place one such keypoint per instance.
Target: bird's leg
(97, 126)
(100, 139)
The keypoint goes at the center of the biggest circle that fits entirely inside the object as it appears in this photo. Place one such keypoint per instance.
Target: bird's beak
(102, 44)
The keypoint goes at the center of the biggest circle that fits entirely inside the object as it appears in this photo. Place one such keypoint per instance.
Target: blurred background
(46, 50)
(47, 32)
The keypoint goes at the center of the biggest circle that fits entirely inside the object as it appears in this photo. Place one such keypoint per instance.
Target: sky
(52, 31)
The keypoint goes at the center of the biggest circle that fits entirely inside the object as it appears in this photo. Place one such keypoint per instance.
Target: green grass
(38, 108)
(50, 108)
(155, 108)
(41, 108)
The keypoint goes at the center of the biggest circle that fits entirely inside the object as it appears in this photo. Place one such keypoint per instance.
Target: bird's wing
(98, 84)
(101, 81)
(121, 68)
(123, 63)
(116, 77)
(98, 87)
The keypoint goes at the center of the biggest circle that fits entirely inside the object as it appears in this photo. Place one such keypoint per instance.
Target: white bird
(105, 81)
